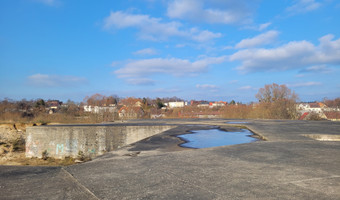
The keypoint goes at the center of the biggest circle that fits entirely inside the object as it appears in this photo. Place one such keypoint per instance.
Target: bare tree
(274, 93)
(332, 103)
(131, 101)
(278, 100)
(101, 100)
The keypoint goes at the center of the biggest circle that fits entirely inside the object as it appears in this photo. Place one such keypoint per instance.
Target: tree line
(274, 102)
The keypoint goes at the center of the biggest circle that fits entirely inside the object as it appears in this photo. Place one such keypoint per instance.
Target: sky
(193, 49)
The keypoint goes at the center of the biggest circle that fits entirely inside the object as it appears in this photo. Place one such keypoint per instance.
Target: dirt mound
(11, 132)
(12, 139)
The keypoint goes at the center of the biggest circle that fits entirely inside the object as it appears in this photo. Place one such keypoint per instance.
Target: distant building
(311, 107)
(203, 104)
(130, 112)
(178, 104)
(131, 102)
(208, 104)
(218, 104)
(332, 115)
(194, 103)
(317, 108)
(303, 116)
(100, 109)
(53, 104)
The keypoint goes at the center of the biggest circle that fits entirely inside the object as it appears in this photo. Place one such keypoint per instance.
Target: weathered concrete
(287, 166)
(49, 183)
(89, 140)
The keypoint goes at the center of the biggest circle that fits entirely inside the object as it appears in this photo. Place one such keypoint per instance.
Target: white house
(178, 104)
(99, 109)
(315, 108)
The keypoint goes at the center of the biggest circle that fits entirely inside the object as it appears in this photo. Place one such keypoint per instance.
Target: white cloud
(306, 84)
(166, 90)
(147, 51)
(328, 50)
(260, 27)
(316, 69)
(262, 39)
(264, 26)
(154, 29)
(206, 86)
(171, 66)
(303, 6)
(205, 35)
(211, 11)
(227, 47)
(294, 55)
(140, 81)
(45, 80)
(247, 87)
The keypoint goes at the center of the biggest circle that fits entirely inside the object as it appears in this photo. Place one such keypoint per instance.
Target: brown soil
(19, 158)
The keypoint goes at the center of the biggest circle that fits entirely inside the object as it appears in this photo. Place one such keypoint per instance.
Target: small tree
(39, 103)
(278, 100)
(39, 107)
(159, 103)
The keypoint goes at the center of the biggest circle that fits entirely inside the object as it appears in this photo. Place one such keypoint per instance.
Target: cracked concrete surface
(287, 166)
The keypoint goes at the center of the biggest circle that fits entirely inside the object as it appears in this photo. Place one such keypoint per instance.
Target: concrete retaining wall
(63, 141)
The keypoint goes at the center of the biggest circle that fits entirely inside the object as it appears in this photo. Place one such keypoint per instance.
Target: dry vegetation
(37, 112)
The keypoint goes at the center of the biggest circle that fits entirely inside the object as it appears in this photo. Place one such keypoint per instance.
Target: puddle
(215, 137)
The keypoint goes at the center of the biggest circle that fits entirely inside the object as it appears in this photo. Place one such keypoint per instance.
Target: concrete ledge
(89, 140)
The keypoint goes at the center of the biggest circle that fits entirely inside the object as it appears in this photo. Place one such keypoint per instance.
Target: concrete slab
(25, 182)
(287, 166)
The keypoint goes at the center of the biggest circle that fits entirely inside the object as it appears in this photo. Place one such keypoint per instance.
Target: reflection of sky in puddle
(215, 138)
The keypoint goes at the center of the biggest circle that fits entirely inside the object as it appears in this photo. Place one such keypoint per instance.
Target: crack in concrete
(324, 184)
(79, 184)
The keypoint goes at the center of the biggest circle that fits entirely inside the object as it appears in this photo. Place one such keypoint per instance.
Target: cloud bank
(211, 11)
(306, 84)
(155, 29)
(303, 6)
(145, 52)
(139, 69)
(293, 55)
(206, 86)
(45, 80)
(262, 39)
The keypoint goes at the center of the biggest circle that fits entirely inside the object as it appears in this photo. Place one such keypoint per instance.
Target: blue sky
(192, 49)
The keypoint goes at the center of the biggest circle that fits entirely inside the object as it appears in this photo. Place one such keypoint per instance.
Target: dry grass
(44, 118)
(19, 158)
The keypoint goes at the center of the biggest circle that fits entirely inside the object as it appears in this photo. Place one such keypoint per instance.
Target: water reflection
(215, 137)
